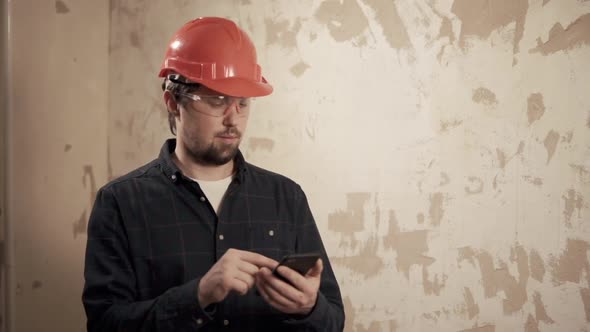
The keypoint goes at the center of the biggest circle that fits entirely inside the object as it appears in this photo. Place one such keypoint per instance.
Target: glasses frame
(219, 110)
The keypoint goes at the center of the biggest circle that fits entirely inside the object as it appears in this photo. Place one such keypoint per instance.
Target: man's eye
(216, 101)
(244, 103)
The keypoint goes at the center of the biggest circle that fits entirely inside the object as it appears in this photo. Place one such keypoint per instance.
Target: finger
(235, 280)
(239, 259)
(263, 291)
(272, 295)
(282, 288)
(238, 285)
(261, 286)
(302, 283)
(295, 279)
(258, 259)
(246, 278)
(278, 300)
(316, 270)
(247, 267)
(233, 258)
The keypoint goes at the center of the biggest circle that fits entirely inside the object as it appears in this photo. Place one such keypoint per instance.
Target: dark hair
(177, 85)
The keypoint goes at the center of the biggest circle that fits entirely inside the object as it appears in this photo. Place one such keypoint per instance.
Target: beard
(216, 153)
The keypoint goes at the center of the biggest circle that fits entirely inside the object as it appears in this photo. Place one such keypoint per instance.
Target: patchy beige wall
(444, 146)
(58, 153)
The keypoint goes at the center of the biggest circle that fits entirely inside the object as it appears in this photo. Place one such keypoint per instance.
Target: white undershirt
(214, 190)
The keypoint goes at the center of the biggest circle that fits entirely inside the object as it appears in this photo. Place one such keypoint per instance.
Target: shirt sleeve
(328, 312)
(110, 293)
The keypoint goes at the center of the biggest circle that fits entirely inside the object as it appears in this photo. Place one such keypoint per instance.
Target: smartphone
(301, 263)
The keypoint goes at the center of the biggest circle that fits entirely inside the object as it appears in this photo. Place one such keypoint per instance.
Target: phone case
(299, 262)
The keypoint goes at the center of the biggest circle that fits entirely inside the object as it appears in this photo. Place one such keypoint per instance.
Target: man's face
(210, 129)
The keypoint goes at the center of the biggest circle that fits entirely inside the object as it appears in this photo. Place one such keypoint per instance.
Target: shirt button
(225, 322)
(271, 233)
(202, 199)
(173, 177)
(221, 236)
(199, 321)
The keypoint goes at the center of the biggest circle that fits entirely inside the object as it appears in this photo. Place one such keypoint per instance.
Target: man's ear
(171, 103)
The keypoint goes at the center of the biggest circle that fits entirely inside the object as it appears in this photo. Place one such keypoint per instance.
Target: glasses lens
(215, 101)
(217, 105)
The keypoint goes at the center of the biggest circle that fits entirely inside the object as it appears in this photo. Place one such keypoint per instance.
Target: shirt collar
(173, 172)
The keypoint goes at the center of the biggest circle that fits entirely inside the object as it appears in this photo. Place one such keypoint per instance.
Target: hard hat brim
(238, 87)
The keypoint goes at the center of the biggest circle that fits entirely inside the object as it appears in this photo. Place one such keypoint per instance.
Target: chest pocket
(273, 239)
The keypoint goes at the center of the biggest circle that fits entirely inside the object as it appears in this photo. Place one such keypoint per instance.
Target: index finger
(258, 259)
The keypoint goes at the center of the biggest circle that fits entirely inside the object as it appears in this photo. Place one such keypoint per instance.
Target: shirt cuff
(186, 298)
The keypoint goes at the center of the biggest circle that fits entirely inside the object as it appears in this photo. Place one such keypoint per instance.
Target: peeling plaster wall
(59, 153)
(444, 146)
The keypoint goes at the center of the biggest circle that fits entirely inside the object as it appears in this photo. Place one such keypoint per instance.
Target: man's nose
(231, 113)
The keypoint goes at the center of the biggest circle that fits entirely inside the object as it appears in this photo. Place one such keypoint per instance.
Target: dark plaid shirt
(153, 234)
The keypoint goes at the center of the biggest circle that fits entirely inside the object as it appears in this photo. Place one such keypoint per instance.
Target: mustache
(232, 131)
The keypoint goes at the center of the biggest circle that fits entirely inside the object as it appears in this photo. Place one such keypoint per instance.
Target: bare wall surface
(444, 146)
(3, 153)
(59, 145)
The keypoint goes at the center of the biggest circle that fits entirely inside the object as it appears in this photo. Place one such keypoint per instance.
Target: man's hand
(234, 271)
(298, 297)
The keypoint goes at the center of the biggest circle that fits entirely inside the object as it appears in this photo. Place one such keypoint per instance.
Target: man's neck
(199, 171)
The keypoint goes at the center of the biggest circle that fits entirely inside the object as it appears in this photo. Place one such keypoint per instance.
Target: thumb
(316, 270)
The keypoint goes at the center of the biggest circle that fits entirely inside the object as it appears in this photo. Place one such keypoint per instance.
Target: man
(188, 241)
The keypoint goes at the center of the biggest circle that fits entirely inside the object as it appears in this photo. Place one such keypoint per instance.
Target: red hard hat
(215, 52)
